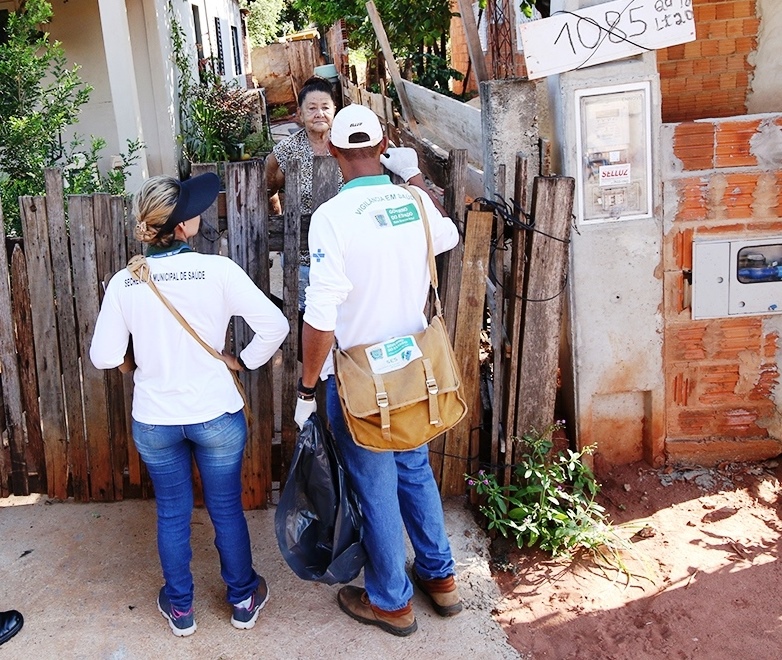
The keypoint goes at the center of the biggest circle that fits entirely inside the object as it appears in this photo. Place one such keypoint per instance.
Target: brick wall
(710, 77)
(721, 179)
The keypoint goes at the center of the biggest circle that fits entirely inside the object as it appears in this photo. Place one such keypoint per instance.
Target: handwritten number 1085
(588, 32)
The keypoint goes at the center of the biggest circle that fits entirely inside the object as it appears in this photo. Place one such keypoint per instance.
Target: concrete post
(616, 291)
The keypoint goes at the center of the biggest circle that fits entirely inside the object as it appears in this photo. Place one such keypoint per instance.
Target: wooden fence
(66, 425)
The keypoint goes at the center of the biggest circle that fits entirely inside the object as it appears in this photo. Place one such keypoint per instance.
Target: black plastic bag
(318, 519)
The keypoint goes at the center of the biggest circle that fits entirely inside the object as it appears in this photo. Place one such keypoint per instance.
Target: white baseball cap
(354, 127)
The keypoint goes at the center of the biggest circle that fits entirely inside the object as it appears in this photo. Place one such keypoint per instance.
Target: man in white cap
(369, 281)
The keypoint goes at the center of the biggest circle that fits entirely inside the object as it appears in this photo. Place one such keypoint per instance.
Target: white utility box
(736, 277)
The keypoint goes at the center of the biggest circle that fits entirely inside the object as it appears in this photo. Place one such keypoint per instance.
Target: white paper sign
(614, 175)
(602, 33)
(392, 354)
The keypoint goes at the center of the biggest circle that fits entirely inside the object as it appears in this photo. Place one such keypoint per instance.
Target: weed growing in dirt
(550, 501)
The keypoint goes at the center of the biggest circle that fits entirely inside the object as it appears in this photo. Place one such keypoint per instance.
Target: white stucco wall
(76, 25)
(153, 117)
(765, 94)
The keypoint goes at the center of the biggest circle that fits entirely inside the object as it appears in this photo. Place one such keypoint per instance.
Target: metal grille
(501, 39)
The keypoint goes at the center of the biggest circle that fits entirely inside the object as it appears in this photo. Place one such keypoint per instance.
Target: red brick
(726, 46)
(716, 29)
(704, 12)
(744, 9)
(723, 10)
(708, 48)
(693, 144)
(676, 52)
(691, 199)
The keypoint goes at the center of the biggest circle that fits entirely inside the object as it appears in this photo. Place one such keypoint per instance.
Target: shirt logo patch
(403, 214)
(318, 256)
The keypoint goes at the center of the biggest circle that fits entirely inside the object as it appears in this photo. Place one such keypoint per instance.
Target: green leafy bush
(550, 501)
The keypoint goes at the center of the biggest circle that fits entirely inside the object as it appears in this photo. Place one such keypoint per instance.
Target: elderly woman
(316, 112)
(186, 405)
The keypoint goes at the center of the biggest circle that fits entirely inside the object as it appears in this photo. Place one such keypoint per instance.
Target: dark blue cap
(195, 196)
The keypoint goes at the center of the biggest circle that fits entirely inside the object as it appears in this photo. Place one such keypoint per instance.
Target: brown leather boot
(354, 602)
(443, 593)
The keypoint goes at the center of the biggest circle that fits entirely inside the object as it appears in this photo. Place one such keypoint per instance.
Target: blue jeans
(395, 489)
(218, 447)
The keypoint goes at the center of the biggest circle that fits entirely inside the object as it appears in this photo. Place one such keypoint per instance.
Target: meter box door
(736, 277)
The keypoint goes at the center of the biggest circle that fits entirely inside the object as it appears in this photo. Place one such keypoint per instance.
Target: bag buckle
(431, 386)
(382, 399)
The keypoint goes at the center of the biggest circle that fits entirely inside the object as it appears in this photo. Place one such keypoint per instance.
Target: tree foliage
(411, 25)
(41, 97)
(266, 20)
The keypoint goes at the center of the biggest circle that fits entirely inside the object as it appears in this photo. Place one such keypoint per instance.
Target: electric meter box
(736, 277)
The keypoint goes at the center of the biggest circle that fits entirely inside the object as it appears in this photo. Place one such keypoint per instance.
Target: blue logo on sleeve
(319, 255)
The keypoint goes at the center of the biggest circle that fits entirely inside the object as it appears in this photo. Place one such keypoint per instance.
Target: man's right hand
(304, 408)
(402, 161)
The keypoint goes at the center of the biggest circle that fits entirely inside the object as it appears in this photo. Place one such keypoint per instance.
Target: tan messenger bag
(405, 408)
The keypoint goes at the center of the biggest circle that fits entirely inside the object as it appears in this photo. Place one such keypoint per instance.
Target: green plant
(214, 116)
(280, 112)
(81, 175)
(549, 502)
(258, 143)
(40, 97)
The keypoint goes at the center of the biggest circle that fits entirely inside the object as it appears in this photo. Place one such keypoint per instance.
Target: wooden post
(97, 384)
(248, 233)
(290, 297)
(460, 447)
(552, 210)
(66, 324)
(9, 368)
(473, 42)
(515, 288)
(407, 109)
(47, 354)
(207, 241)
(28, 378)
(497, 326)
(451, 271)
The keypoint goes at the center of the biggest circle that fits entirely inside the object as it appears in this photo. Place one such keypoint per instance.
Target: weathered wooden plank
(47, 354)
(121, 438)
(497, 294)
(290, 295)
(515, 286)
(552, 210)
(97, 399)
(460, 447)
(207, 241)
(137, 483)
(325, 183)
(474, 47)
(450, 271)
(9, 373)
(407, 109)
(107, 263)
(453, 124)
(247, 214)
(28, 377)
(66, 324)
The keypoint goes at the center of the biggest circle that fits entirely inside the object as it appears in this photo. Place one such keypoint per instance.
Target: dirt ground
(705, 568)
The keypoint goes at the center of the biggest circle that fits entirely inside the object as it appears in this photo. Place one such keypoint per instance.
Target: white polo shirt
(369, 274)
(176, 380)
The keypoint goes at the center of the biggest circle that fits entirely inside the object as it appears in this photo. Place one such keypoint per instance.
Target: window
(237, 51)
(199, 37)
(220, 63)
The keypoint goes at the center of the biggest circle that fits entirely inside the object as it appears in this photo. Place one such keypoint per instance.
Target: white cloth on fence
(176, 381)
(369, 274)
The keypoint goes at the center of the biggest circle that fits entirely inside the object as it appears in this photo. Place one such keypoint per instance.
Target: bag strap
(430, 247)
(139, 270)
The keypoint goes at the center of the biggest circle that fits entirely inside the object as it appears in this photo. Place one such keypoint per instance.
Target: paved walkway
(85, 577)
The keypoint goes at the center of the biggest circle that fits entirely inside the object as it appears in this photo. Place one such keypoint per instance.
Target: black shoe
(11, 622)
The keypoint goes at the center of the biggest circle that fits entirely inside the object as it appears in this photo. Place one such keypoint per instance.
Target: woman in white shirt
(185, 403)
